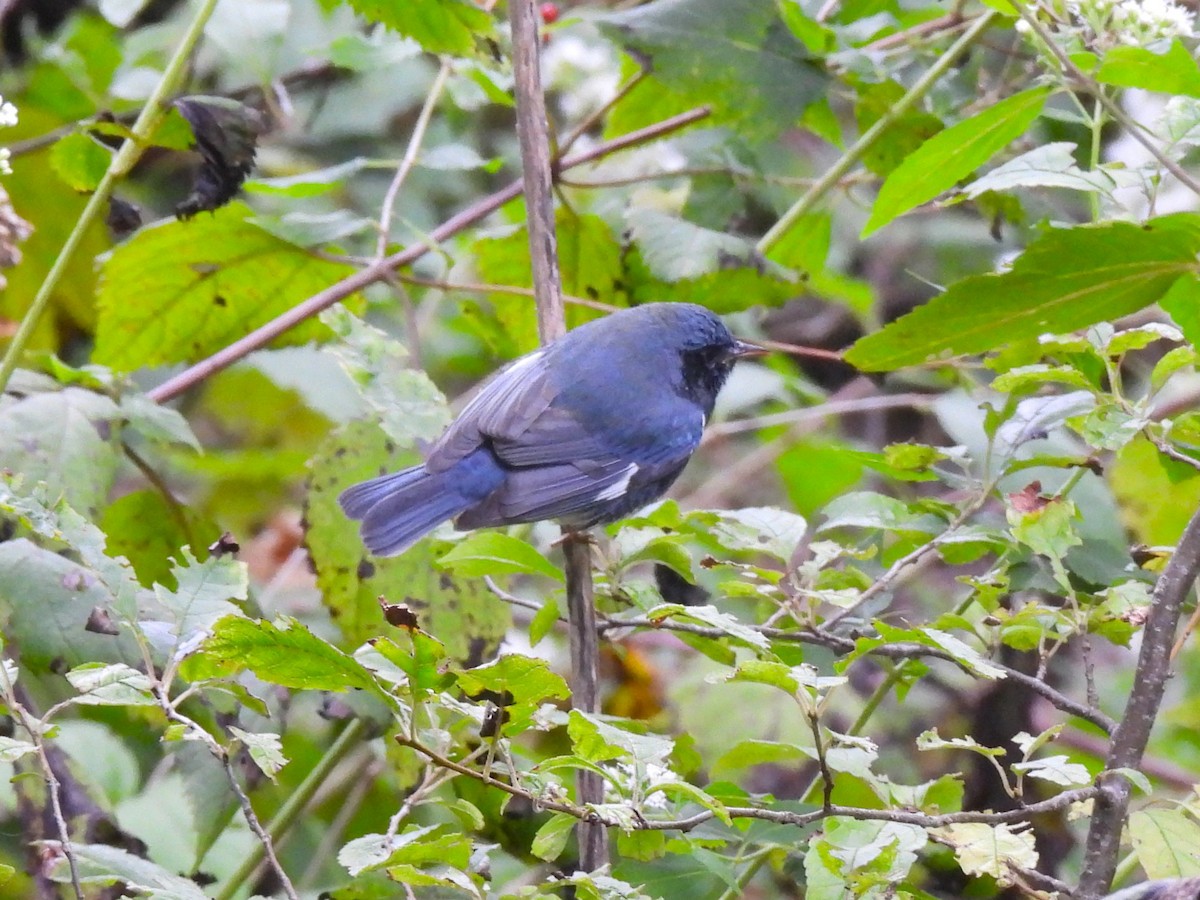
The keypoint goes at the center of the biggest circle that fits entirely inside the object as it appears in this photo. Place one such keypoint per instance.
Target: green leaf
(1166, 842)
(495, 553)
(102, 864)
(460, 612)
(440, 26)
(551, 839)
(80, 161)
(749, 753)
(410, 407)
(266, 750)
(145, 529)
(205, 592)
(1173, 72)
(415, 846)
(543, 620)
(1050, 165)
(953, 154)
(714, 618)
(528, 681)
(990, 849)
(735, 56)
(200, 285)
(286, 654)
(65, 438)
(590, 261)
(110, 685)
(1067, 279)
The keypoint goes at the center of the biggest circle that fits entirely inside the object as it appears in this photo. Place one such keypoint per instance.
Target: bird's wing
(504, 407)
(561, 472)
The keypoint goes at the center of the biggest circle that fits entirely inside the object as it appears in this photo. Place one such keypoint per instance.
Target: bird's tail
(398, 509)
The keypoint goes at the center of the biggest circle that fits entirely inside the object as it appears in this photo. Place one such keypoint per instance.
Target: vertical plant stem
(123, 160)
(1133, 730)
(534, 133)
(410, 156)
(826, 182)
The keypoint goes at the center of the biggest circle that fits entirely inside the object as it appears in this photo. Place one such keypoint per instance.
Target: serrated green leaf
(111, 685)
(440, 26)
(1067, 279)
(543, 620)
(951, 155)
(200, 285)
(1173, 72)
(286, 654)
(524, 682)
(102, 864)
(495, 553)
(590, 262)
(266, 750)
(205, 592)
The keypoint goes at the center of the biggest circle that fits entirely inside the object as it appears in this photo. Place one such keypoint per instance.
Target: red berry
(549, 13)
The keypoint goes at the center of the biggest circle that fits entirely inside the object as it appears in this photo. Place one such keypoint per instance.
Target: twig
(382, 269)
(36, 730)
(474, 287)
(410, 156)
(901, 651)
(777, 816)
(821, 411)
(827, 181)
(1133, 731)
(290, 811)
(534, 133)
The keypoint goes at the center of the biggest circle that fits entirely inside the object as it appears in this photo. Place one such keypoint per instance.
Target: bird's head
(707, 352)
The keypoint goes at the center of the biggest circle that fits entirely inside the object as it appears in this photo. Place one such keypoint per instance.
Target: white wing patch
(620, 486)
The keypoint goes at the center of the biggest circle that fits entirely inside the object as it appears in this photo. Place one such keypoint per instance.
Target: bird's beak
(745, 350)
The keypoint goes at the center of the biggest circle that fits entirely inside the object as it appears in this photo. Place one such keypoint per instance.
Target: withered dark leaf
(123, 218)
(226, 134)
(224, 545)
(399, 615)
(100, 621)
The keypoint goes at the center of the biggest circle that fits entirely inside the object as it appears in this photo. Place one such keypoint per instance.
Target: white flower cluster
(1098, 25)
(8, 116)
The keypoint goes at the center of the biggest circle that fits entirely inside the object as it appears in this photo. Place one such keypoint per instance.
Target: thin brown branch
(472, 287)
(1133, 731)
(776, 816)
(382, 269)
(410, 156)
(533, 130)
(534, 133)
(843, 645)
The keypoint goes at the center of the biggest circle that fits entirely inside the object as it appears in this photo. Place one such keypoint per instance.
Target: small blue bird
(584, 430)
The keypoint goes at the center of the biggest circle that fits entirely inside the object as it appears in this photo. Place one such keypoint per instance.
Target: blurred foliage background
(875, 642)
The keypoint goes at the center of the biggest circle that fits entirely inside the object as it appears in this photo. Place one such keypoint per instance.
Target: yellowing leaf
(178, 291)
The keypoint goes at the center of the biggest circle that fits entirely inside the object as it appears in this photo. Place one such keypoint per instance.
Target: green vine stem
(123, 160)
(842, 167)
